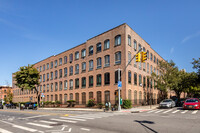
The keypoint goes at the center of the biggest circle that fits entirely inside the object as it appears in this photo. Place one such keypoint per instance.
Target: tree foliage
(9, 96)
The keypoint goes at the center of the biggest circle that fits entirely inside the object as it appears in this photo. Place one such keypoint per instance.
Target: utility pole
(119, 98)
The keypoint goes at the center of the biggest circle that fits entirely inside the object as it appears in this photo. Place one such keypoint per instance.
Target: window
(65, 59)
(60, 85)
(157, 61)
(71, 70)
(118, 40)
(151, 83)
(151, 56)
(107, 60)
(147, 67)
(140, 80)
(99, 62)
(106, 44)
(129, 77)
(151, 69)
(135, 97)
(83, 82)
(77, 83)
(83, 98)
(147, 82)
(77, 98)
(135, 63)
(144, 66)
(90, 81)
(83, 53)
(129, 95)
(43, 88)
(40, 68)
(98, 47)
(98, 79)
(65, 72)
(148, 54)
(118, 57)
(99, 97)
(40, 89)
(60, 73)
(135, 78)
(51, 87)
(51, 64)
(107, 78)
(70, 58)
(56, 74)
(91, 50)
(140, 65)
(154, 59)
(65, 98)
(140, 97)
(77, 69)
(65, 85)
(90, 65)
(71, 96)
(47, 66)
(117, 76)
(129, 40)
(77, 55)
(139, 46)
(144, 50)
(43, 77)
(70, 84)
(60, 61)
(56, 86)
(43, 67)
(144, 81)
(129, 57)
(47, 76)
(90, 95)
(154, 70)
(107, 96)
(83, 66)
(51, 75)
(56, 63)
(135, 45)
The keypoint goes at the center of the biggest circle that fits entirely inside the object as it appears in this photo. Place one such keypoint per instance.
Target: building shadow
(146, 127)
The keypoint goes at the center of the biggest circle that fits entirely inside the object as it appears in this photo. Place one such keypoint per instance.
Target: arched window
(83, 98)
(71, 96)
(148, 54)
(60, 86)
(98, 47)
(77, 98)
(76, 55)
(140, 80)
(139, 46)
(140, 97)
(91, 50)
(90, 95)
(83, 53)
(135, 45)
(135, 97)
(135, 78)
(129, 95)
(116, 76)
(98, 79)
(129, 40)
(117, 40)
(107, 96)
(107, 78)
(65, 98)
(106, 44)
(107, 60)
(65, 85)
(99, 97)
(129, 77)
(118, 57)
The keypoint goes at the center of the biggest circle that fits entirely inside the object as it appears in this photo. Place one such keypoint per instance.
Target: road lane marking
(152, 111)
(20, 127)
(81, 117)
(48, 122)
(184, 111)
(4, 131)
(194, 112)
(63, 120)
(167, 111)
(34, 116)
(85, 129)
(39, 125)
(175, 111)
(72, 119)
(158, 111)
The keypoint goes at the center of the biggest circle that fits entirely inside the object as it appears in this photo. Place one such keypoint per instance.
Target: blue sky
(34, 30)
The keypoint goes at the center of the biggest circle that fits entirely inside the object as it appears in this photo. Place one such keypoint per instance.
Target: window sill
(98, 52)
(106, 84)
(117, 45)
(98, 85)
(106, 49)
(77, 88)
(76, 73)
(117, 64)
(98, 68)
(83, 71)
(90, 87)
(83, 57)
(90, 70)
(90, 54)
(106, 66)
(83, 87)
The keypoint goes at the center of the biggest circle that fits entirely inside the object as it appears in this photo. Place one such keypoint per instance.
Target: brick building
(89, 70)
(4, 91)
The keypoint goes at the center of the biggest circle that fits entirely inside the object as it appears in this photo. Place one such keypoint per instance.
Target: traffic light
(138, 57)
(144, 56)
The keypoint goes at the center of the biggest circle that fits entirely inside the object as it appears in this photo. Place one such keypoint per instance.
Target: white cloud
(171, 50)
(190, 37)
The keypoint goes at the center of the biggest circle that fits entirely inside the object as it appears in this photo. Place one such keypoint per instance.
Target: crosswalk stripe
(48, 122)
(81, 117)
(4, 131)
(175, 111)
(152, 111)
(184, 111)
(158, 111)
(89, 116)
(167, 111)
(76, 119)
(64, 120)
(194, 112)
(39, 125)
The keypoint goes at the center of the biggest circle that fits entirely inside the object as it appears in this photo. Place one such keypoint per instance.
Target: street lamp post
(119, 98)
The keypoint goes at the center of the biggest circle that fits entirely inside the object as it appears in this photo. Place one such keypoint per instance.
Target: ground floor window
(83, 98)
(99, 97)
(77, 98)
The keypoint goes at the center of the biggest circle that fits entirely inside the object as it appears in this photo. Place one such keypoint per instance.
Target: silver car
(167, 103)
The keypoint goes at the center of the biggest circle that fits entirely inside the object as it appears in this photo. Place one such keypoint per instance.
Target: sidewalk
(72, 109)
(140, 109)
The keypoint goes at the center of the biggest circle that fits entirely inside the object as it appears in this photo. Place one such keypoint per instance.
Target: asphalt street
(173, 120)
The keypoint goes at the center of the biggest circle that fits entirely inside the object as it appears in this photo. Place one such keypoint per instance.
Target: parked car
(1, 106)
(167, 103)
(191, 103)
(11, 106)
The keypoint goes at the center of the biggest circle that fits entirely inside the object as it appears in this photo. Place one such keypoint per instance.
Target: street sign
(119, 83)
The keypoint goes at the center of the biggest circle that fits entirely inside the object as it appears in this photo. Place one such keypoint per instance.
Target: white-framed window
(118, 57)
(65, 59)
(83, 53)
(99, 62)
(135, 45)
(65, 85)
(83, 66)
(71, 70)
(77, 69)
(70, 58)
(65, 72)
(129, 40)
(77, 55)
(60, 61)
(71, 84)
(106, 44)
(117, 40)
(107, 60)
(91, 50)
(90, 65)
(98, 47)
(147, 67)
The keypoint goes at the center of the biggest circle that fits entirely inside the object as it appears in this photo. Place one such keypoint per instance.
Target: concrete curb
(64, 109)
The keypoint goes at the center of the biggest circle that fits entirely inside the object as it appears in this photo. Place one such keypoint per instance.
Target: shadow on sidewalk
(146, 127)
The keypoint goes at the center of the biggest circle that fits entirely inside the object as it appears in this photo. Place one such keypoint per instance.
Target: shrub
(127, 104)
(100, 105)
(91, 103)
(57, 102)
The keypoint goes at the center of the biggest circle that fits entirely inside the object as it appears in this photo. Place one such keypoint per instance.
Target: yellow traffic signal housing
(138, 57)
(144, 56)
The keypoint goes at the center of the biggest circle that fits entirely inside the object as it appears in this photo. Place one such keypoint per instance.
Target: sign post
(119, 86)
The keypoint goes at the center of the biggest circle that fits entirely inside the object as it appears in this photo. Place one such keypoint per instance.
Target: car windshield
(167, 100)
(192, 101)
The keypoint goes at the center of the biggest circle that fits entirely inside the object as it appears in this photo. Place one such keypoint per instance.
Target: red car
(191, 103)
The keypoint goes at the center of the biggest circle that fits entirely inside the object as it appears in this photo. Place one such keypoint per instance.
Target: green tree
(27, 78)
(9, 95)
